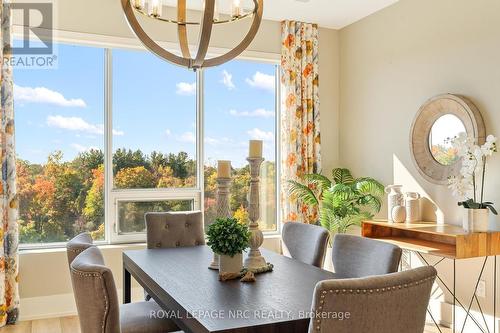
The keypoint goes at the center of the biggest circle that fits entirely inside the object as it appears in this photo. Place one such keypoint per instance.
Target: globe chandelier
(210, 16)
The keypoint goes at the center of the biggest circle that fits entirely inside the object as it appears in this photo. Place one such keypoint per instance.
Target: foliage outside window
(60, 142)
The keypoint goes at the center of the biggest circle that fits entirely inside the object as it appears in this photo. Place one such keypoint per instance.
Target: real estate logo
(33, 47)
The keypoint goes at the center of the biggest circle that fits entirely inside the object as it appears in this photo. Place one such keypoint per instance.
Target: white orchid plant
(469, 184)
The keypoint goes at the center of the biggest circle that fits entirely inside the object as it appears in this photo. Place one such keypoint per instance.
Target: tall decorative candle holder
(223, 208)
(255, 261)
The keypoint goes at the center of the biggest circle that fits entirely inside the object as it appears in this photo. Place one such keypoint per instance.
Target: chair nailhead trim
(385, 289)
(106, 303)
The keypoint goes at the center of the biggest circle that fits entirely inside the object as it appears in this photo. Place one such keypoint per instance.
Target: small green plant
(344, 201)
(226, 236)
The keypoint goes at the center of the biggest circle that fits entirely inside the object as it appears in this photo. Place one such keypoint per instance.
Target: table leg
(126, 286)
(454, 295)
(495, 296)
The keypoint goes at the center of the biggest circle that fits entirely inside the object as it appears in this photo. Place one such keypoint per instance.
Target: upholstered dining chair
(77, 245)
(174, 229)
(97, 301)
(356, 257)
(305, 242)
(391, 303)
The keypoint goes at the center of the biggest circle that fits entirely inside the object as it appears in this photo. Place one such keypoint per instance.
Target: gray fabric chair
(392, 303)
(97, 301)
(305, 242)
(174, 229)
(356, 257)
(77, 245)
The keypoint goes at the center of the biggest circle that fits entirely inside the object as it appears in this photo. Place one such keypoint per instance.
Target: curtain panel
(300, 119)
(9, 295)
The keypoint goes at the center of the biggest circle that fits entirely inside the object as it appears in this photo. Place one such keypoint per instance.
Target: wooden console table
(447, 242)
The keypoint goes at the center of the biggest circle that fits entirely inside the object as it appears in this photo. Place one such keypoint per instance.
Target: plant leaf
(303, 193)
(321, 181)
(342, 176)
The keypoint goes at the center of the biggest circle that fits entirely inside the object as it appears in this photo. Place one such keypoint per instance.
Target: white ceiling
(334, 14)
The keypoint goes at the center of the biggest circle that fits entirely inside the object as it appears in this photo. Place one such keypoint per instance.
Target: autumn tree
(94, 202)
(136, 177)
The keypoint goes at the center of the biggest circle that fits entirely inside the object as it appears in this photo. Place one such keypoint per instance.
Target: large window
(60, 144)
(114, 133)
(242, 94)
(154, 139)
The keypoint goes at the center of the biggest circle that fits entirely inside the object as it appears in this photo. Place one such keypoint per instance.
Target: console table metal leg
(473, 295)
(454, 294)
(495, 295)
(452, 291)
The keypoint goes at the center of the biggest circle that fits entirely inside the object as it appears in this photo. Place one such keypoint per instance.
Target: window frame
(113, 196)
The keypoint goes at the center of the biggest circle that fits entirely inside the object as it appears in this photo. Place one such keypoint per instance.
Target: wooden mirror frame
(429, 112)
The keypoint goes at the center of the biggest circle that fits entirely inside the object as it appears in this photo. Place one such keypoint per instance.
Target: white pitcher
(395, 198)
(412, 207)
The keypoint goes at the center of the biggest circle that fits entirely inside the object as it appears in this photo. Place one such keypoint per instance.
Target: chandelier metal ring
(206, 24)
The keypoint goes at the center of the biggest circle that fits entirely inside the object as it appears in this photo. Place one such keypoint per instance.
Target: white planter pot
(229, 264)
(476, 220)
(328, 263)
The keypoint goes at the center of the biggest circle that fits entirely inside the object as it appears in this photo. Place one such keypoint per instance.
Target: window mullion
(108, 145)
(200, 127)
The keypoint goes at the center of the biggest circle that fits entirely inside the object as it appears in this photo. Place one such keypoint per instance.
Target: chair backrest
(174, 229)
(391, 303)
(356, 257)
(95, 293)
(305, 242)
(77, 245)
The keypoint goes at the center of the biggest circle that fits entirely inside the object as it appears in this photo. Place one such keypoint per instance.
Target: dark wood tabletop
(179, 280)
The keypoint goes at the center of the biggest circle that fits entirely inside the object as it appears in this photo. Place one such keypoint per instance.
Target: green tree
(123, 158)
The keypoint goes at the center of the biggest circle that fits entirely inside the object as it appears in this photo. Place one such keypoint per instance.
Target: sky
(154, 106)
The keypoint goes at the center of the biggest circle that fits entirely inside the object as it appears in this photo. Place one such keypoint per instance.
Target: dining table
(190, 293)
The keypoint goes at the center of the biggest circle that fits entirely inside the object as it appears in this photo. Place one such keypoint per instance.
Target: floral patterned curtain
(9, 296)
(300, 132)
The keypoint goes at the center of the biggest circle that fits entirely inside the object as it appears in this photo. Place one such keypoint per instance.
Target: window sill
(103, 246)
(34, 250)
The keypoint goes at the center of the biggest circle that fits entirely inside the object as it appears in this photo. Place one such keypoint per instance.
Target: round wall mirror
(438, 121)
(443, 131)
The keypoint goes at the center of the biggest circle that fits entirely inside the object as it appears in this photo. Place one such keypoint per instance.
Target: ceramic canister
(395, 198)
(412, 207)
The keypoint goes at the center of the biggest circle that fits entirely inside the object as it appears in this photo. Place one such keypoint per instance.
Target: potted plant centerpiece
(228, 238)
(469, 184)
(343, 202)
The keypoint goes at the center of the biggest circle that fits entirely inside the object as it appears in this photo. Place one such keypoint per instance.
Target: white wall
(45, 287)
(390, 64)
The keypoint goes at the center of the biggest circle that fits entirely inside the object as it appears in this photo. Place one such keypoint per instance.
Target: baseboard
(53, 306)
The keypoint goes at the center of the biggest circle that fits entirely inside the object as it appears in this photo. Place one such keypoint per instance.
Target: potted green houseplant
(228, 238)
(468, 185)
(343, 202)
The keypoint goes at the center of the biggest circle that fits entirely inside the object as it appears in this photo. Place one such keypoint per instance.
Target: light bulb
(236, 8)
(155, 8)
(139, 4)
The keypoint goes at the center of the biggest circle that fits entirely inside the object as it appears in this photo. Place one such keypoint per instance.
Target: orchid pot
(476, 220)
(469, 184)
